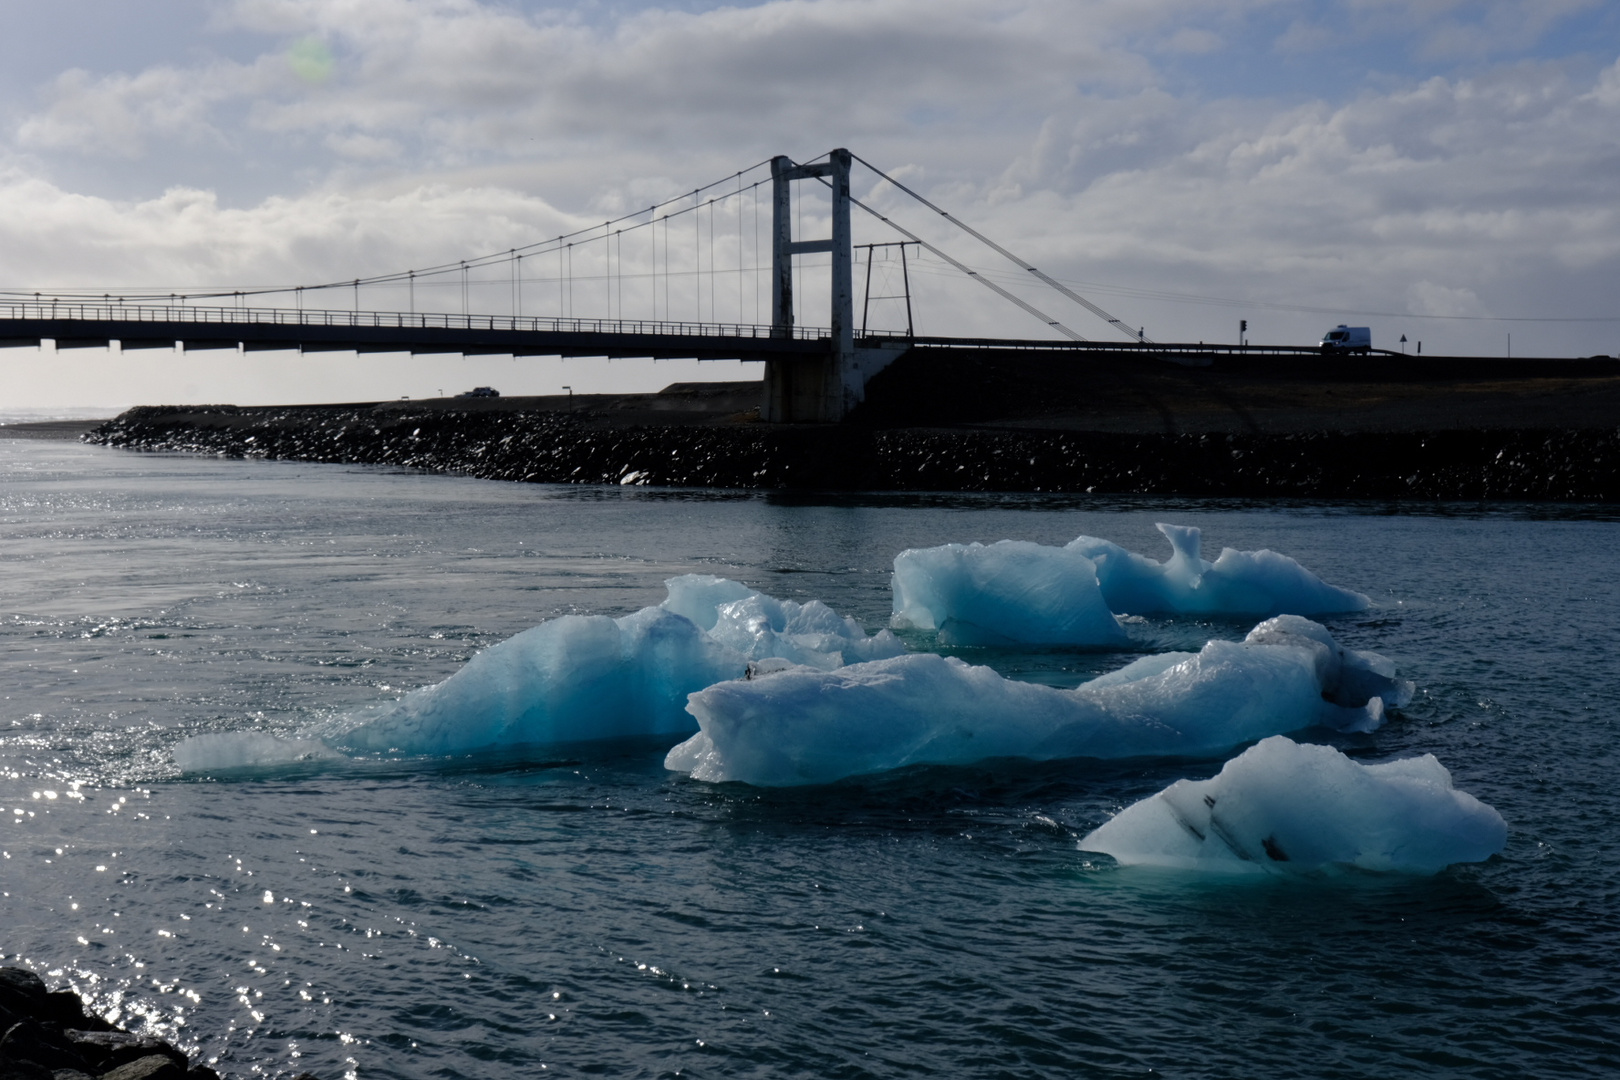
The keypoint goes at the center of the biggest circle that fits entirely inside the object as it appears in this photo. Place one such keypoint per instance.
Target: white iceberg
(1246, 583)
(806, 726)
(1006, 592)
(584, 677)
(1280, 806)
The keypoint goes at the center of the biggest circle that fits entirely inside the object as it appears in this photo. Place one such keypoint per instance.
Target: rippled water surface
(596, 915)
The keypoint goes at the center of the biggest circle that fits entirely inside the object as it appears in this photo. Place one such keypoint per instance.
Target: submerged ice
(246, 750)
(803, 726)
(1282, 806)
(588, 677)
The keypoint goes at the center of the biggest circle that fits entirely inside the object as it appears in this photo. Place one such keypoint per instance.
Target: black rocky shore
(49, 1036)
(1379, 429)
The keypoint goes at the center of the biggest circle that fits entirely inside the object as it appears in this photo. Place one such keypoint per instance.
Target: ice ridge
(1247, 583)
(805, 726)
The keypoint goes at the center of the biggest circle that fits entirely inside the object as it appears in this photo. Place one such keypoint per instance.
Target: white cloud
(363, 147)
(447, 128)
(186, 239)
(1427, 298)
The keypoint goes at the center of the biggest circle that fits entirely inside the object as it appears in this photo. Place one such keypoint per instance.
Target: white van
(1344, 338)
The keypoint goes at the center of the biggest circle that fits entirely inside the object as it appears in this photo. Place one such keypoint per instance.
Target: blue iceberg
(583, 678)
(1283, 807)
(1017, 592)
(1002, 593)
(579, 677)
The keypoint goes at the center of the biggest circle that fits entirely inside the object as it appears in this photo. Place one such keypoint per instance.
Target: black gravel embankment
(539, 446)
(49, 1036)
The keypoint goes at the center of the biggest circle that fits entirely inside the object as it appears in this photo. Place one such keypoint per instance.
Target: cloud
(185, 239)
(1069, 129)
(117, 115)
(463, 81)
(1427, 298)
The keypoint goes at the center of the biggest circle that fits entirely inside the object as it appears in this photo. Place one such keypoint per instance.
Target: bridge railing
(90, 311)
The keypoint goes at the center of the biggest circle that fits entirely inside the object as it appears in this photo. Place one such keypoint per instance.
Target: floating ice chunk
(1283, 806)
(699, 597)
(245, 750)
(760, 626)
(1009, 591)
(587, 677)
(1255, 583)
(1349, 677)
(575, 678)
(804, 726)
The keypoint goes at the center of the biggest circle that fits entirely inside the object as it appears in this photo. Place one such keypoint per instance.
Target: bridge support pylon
(820, 390)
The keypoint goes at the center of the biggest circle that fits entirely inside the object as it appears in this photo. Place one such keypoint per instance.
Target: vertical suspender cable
(756, 253)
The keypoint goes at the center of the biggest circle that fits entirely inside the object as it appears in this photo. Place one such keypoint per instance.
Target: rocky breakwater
(49, 1036)
(542, 445)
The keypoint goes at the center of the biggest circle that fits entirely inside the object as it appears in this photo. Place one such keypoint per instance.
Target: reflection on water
(589, 911)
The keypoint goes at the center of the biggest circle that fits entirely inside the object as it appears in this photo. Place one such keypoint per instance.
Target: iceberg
(575, 678)
(762, 627)
(807, 726)
(1006, 592)
(1247, 583)
(584, 677)
(1281, 806)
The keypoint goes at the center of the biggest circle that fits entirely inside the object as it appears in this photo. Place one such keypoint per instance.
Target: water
(598, 916)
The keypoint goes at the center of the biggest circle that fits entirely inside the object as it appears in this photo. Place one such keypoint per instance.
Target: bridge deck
(135, 328)
(138, 327)
(73, 326)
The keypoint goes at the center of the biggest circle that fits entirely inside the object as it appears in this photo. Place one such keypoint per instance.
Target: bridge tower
(821, 389)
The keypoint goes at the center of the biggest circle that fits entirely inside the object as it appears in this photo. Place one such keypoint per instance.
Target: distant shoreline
(50, 429)
(1328, 428)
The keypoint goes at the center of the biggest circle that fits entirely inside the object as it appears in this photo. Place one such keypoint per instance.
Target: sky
(1439, 169)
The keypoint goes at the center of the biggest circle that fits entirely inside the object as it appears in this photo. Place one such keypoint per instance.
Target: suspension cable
(968, 270)
(1046, 278)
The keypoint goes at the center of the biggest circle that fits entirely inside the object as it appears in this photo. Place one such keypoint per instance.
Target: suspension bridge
(813, 373)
